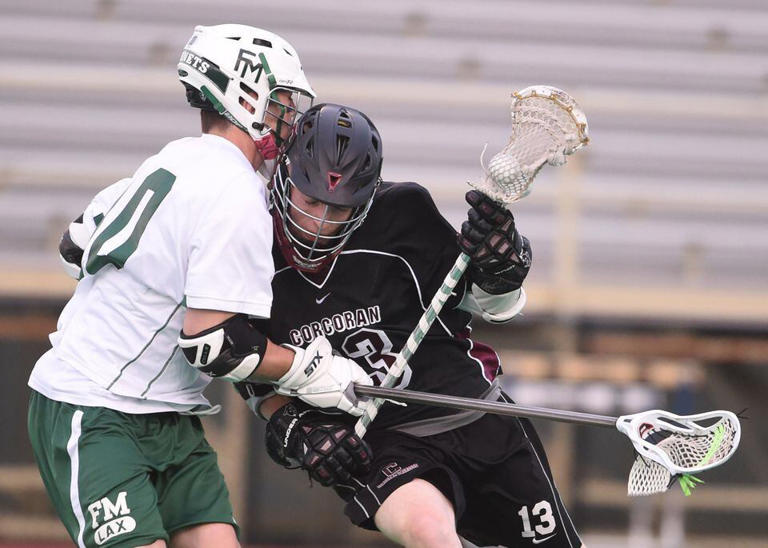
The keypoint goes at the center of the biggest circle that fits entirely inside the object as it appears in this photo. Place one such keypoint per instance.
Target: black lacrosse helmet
(335, 158)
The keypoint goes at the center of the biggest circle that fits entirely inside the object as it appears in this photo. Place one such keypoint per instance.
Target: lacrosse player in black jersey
(357, 261)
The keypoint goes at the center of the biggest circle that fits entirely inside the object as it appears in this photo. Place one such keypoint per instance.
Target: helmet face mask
(334, 159)
(305, 249)
(249, 75)
(284, 109)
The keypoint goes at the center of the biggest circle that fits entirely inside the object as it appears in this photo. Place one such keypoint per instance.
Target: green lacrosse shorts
(117, 479)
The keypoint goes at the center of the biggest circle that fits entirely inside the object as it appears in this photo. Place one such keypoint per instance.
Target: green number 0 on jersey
(119, 239)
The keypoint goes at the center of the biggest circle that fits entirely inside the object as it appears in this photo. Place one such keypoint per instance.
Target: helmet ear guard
(231, 68)
(197, 99)
(335, 157)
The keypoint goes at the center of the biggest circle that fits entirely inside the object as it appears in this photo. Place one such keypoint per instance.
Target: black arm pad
(231, 350)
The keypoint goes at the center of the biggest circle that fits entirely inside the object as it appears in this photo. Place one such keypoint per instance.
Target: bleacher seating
(669, 201)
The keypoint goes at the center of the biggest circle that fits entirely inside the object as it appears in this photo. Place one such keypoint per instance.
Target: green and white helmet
(226, 67)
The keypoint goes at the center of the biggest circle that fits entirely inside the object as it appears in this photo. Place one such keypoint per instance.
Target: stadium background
(650, 279)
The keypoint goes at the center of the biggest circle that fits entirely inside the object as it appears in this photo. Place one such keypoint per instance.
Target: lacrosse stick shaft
(414, 340)
(497, 408)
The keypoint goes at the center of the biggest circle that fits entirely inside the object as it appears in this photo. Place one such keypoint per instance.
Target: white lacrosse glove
(324, 379)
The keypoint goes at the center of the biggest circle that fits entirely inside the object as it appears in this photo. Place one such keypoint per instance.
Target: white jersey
(191, 228)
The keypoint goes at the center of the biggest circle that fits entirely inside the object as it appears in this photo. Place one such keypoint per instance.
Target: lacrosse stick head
(547, 125)
(670, 446)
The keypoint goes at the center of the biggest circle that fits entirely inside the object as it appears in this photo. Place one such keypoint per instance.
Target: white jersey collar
(224, 144)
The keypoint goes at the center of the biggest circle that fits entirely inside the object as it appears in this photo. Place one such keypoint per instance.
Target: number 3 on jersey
(119, 237)
(375, 347)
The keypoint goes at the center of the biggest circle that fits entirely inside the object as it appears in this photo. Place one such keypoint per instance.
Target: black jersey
(372, 296)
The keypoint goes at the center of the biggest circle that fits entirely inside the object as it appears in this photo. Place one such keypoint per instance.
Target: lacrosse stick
(547, 125)
(668, 446)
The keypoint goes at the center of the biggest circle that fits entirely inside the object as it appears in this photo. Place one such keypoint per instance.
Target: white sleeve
(494, 308)
(100, 204)
(81, 232)
(230, 257)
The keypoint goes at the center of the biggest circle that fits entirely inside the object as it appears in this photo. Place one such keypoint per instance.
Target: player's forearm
(271, 404)
(197, 320)
(275, 364)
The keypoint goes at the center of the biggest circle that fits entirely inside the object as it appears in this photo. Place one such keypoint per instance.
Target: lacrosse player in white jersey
(175, 268)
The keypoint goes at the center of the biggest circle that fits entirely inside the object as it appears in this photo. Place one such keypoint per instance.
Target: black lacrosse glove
(301, 436)
(500, 256)
(68, 249)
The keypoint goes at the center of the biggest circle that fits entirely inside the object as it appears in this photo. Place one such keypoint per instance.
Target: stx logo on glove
(312, 365)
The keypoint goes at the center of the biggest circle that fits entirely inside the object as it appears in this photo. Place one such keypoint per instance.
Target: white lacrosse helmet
(224, 66)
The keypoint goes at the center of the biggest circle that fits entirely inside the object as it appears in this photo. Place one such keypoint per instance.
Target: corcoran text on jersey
(337, 323)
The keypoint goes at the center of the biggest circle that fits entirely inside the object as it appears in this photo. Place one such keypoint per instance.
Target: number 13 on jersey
(542, 512)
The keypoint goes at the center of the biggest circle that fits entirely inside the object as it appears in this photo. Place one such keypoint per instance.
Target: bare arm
(272, 404)
(197, 320)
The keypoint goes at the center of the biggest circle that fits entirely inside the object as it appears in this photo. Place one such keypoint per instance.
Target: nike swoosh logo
(540, 540)
(321, 299)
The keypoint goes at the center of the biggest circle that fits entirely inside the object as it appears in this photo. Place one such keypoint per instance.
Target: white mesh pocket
(687, 451)
(546, 126)
(647, 477)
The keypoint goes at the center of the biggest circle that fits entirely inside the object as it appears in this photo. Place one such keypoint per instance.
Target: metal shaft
(471, 404)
